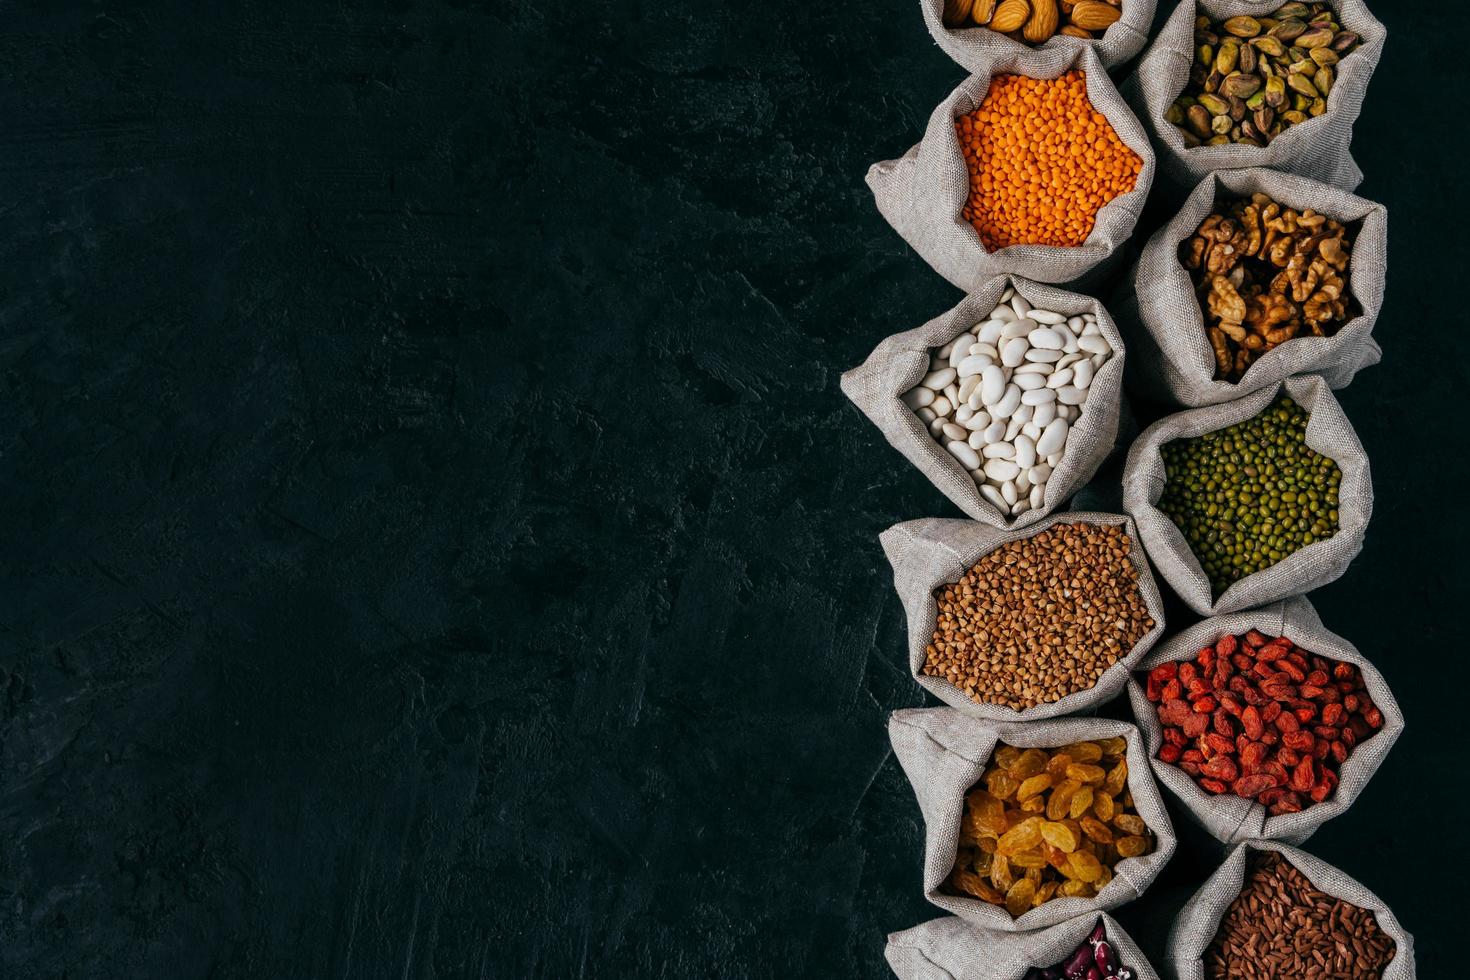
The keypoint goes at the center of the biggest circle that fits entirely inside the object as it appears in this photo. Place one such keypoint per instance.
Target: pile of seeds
(1263, 719)
(1034, 21)
(1250, 494)
(1282, 926)
(1040, 618)
(1048, 823)
(1001, 398)
(1255, 77)
(1042, 162)
(1094, 958)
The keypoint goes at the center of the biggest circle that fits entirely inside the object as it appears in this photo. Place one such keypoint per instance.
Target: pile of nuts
(1094, 958)
(1282, 926)
(1042, 162)
(1002, 397)
(1254, 77)
(1034, 21)
(1263, 719)
(1250, 494)
(1048, 823)
(1264, 274)
(1039, 618)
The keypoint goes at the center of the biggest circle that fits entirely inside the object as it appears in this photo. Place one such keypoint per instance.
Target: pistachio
(1271, 47)
(1246, 61)
(1225, 58)
(1263, 118)
(1237, 108)
(1243, 26)
(1275, 92)
(1317, 107)
(1256, 101)
(1290, 10)
(1288, 30)
(1323, 79)
(1302, 84)
(1294, 117)
(1326, 57)
(1344, 42)
(1221, 124)
(1174, 114)
(1221, 140)
(1240, 86)
(1205, 55)
(1315, 37)
(1199, 120)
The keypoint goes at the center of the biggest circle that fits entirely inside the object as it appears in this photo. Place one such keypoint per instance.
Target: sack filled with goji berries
(1260, 276)
(1250, 501)
(1263, 723)
(1283, 85)
(1032, 824)
(1024, 624)
(970, 32)
(951, 949)
(971, 416)
(1033, 165)
(1270, 904)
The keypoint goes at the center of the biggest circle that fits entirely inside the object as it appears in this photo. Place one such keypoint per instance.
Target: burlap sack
(921, 193)
(1197, 924)
(944, 754)
(1318, 148)
(1166, 328)
(899, 362)
(973, 46)
(950, 949)
(929, 553)
(1232, 818)
(1328, 432)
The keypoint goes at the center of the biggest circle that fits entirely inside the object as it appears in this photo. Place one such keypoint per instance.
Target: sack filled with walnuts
(970, 31)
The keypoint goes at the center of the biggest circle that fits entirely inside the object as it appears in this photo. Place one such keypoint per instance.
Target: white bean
(927, 415)
(938, 379)
(1044, 415)
(1045, 338)
(1047, 317)
(962, 452)
(1030, 381)
(993, 495)
(1019, 304)
(992, 384)
(1025, 452)
(1057, 379)
(1001, 470)
(946, 350)
(999, 450)
(1053, 438)
(977, 422)
(940, 405)
(1032, 430)
(1038, 496)
(1040, 473)
(1008, 491)
(1004, 313)
(917, 398)
(976, 441)
(1024, 413)
(996, 432)
(1041, 356)
(989, 331)
(1007, 405)
(956, 432)
(968, 386)
(1039, 396)
(1068, 395)
(1094, 343)
(1014, 427)
(972, 365)
(1082, 375)
(952, 392)
(958, 352)
(1014, 352)
(1032, 367)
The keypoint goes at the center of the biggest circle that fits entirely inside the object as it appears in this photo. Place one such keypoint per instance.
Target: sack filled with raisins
(1263, 723)
(1032, 824)
(1237, 293)
(952, 23)
(1250, 501)
(1272, 910)
(951, 949)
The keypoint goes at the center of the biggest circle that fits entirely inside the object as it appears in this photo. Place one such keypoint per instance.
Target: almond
(1043, 22)
(984, 10)
(1010, 15)
(1094, 15)
(955, 12)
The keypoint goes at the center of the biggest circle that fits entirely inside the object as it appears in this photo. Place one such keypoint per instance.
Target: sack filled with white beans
(971, 44)
(929, 554)
(1165, 325)
(944, 754)
(1232, 818)
(1328, 432)
(1008, 402)
(1317, 148)
(921, 194)
(952, 949)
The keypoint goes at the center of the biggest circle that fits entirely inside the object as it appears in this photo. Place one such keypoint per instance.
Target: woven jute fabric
(973, 46)
(952, 949)
(1328, 432)
(900, 361)
(1165, 325)
(922, 192)
(1317, 148)
(930, 553)
(1197, 924)
(1231, 818)
(944, 754)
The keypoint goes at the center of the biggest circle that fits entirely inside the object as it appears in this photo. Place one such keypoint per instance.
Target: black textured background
(435, 543)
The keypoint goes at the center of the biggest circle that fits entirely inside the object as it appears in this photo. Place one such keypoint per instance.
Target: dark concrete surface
(435, 542)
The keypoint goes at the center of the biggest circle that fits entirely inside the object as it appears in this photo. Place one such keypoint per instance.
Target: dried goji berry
(1206, 658)
(1270, 712)
(1252, 786)
(1310, 691)
(1291, 670)
(1339, 752)
(1174, 737)
(1213, 786)
(1373, 717)
(1220, 767)
(1169, 752)
(1242, 661)
(1326, 731)
(1193, 755)
(1345, 672)
(1270, 736)
(1304, 713)
(1350, 735)
(1173, 690)
(1332, 714)
(1226, 645)
(1188, 673)
(1288, 757)
(1318, 678)
(1198, 688)
(1205, 705)
(1304, 776)
(1190, 767)
(1253, 754)
(1286, 722)
(1299, 740)
(1351, 703)
(1321, 749)
(1220, 743)
(1250, 721)
(1173, 711)
(1221, 720)
(1196, 725)
(1255, 639)
(1230, 702)
(1290, 803)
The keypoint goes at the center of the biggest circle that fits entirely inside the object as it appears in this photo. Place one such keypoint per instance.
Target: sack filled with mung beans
(952, 949)
(1029, 825)
(1272, 910)
(1270, 496)
(962, 28)
(957, 449)
(1033, 205)
(1024, 624)
(1314, 146)
(1323, 730)
(1173, 348)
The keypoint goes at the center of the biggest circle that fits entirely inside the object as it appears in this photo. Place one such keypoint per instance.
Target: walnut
(1225, 304)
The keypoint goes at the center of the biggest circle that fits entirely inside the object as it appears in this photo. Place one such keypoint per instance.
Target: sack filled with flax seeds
(951, 949)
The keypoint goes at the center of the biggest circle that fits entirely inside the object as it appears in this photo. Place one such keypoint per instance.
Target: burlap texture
(951, 949)
(1166, 328)
(922, 192)
(973, 46)
(927, 554)
(1328, 432)
(1197, 924)
(1317, 148)
(1232, 818)
(899, 362)
(944, 754)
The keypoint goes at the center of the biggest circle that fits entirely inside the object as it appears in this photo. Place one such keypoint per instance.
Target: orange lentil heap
(1042, 162)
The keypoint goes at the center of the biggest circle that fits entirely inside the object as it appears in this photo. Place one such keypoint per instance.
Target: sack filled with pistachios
(1258, 83)
(951, 949)
(1260, 276)
(970, 31)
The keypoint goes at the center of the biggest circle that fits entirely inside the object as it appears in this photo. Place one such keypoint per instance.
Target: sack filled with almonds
(1260, 276)
(1033, 824)
(952, 949)
(1263, 723)
(1258, 83)
(1034, 166)
(970, 31)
